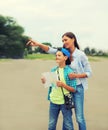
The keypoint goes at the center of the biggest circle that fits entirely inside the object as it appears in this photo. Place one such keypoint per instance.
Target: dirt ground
(23, 98)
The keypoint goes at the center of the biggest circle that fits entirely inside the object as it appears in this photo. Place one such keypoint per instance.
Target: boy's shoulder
(68, 68)
(54, 69)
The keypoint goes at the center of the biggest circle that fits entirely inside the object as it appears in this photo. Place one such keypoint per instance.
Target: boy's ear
(66, 57)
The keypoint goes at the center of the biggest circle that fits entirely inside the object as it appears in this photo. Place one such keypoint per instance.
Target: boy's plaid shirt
(69, 82)
(67, 71)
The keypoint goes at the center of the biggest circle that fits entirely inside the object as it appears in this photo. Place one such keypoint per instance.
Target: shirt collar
(74, 54)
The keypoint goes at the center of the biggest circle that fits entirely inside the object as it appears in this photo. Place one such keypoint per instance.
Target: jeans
(54, 111)
(79, 106)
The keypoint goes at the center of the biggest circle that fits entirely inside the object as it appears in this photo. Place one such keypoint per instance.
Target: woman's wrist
(77, 76)
(39, 44)
(81, 75)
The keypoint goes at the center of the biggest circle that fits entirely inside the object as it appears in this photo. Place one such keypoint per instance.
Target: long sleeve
(52, 50)
(86, 65)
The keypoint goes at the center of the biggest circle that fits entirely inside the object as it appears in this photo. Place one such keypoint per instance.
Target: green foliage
(40, 56)
(12, 40)
(52, 57)
(87, 50)
(94, 52)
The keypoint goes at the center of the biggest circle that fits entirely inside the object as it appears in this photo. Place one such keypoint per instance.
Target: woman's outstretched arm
(35, 43)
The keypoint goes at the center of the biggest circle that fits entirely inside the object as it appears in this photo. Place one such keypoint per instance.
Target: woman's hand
(35, 43)
(32, 43)
(43, 80)
(72, 75)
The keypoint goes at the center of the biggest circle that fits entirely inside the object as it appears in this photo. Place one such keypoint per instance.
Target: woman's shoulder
(80, 54)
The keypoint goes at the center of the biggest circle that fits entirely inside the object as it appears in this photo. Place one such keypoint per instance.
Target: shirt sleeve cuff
(88, 74)
(52, 50)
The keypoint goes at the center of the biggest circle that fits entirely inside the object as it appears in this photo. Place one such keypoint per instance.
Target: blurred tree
(93, 52)
(87, 50)
(12, 40)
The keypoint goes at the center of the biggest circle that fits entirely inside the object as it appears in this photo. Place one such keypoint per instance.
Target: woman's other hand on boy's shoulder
(72, 75)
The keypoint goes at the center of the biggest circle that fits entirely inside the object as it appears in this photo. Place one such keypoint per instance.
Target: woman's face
(68, 42)
(60, 58)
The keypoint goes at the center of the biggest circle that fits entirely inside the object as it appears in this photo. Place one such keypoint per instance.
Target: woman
(82, 70)
(64, 87)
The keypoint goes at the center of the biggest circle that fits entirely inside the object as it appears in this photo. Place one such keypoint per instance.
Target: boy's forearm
(71, 89)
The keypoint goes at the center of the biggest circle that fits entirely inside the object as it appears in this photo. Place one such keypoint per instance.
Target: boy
(64, 87)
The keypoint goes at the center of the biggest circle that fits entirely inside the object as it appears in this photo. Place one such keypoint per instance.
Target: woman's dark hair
(68, 61)
(71, 35)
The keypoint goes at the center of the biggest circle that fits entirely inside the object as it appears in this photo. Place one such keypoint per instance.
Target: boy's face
(60, 58)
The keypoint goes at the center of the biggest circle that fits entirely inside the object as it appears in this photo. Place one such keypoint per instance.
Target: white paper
(50, 78)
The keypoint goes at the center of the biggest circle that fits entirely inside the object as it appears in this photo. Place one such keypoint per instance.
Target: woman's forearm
(74, 75)
(44, 47)
(35, 43)
(81, 75)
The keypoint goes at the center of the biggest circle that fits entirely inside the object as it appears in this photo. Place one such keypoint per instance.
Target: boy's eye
(58, 55)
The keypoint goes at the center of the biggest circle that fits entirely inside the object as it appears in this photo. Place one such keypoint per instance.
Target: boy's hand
(43, 80)
(59, 83)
